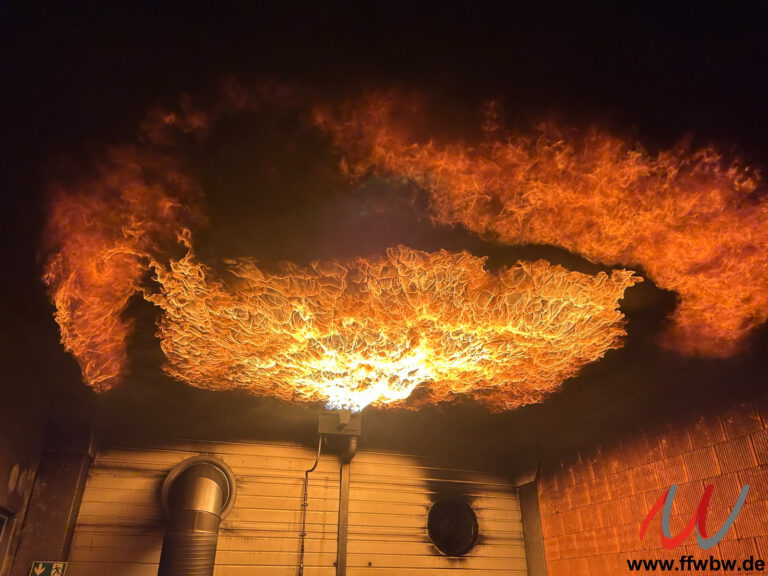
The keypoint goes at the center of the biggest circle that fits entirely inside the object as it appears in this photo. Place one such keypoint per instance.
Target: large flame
(695, 224)
(371, 330)
(101, 232)
(347, 333)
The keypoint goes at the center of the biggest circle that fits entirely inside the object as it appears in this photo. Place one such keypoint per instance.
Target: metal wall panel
(120, 527)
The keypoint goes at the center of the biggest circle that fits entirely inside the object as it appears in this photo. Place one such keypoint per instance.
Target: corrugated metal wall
(120, 527)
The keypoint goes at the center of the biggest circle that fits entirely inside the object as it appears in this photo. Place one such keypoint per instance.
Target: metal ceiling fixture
(339, 430)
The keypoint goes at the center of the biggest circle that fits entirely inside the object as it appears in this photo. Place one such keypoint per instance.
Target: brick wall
(601, 475)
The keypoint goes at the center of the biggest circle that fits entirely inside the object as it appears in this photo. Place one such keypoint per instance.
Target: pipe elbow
(196, 495)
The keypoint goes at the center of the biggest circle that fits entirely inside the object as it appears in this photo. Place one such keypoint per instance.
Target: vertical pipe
(341, 540)
(196, 494)
(535, 558)
(341, 543)
(305, 505)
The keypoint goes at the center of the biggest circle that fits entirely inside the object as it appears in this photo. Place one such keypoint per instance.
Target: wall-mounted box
(344, 422)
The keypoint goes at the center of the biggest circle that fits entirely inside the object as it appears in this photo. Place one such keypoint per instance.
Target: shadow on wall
(23, 415)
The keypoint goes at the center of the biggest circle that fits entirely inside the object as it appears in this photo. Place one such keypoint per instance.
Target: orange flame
(370, 331)
(695, 224)
(101, 233)
(367, 331)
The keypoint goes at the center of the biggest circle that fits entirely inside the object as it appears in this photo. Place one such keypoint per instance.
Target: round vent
(452, 527)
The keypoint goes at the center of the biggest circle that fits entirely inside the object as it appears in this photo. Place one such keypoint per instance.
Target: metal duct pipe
(341, 429)
(343, 523)
(196, 495)
(350, 450)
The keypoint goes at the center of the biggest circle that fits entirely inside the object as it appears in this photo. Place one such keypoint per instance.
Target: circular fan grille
(452, 527)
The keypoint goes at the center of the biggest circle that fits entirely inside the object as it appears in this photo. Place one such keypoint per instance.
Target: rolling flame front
(411, 328)
(370, 331)
(694, 223)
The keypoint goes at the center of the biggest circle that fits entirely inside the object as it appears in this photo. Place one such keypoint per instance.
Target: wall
(49, 519)
(23, 414)
(601, 475)
(120, 527)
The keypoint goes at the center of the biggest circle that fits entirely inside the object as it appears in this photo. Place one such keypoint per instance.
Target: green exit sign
(48, 568)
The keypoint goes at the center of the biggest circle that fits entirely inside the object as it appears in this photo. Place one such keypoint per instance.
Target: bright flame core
(370, 331)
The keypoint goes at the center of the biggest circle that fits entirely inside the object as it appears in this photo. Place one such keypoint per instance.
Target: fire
(370, 331)
(101, 233)
(695, 224)
(351, 333)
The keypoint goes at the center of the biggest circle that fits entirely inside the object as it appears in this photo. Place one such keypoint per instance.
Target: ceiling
(78, 79)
